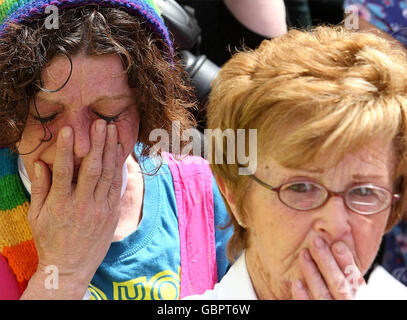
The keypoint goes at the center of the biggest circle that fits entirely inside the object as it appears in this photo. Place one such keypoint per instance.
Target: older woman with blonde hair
(329, 107)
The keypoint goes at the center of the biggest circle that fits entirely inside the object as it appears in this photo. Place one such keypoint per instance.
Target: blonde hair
(338, 89)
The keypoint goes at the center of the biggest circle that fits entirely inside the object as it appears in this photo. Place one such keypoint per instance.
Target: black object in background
(219, 37)
(304, 14)
(221, 32)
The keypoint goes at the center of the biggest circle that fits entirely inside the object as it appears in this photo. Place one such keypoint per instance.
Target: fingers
(116, 186)
(346, 263)
(40, 187)
(329, 273)
(333, 275)
(313, 277)
(99, 170)
(91, 166)
(109, 163)
(62, 168)
(298, 291)
(100, 174)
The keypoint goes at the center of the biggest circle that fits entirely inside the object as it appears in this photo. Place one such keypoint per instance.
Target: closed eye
(48, 119)
(108, 119)
(44, 120)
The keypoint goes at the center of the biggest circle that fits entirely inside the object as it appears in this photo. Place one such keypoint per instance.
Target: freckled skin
(77, 104)
(92, 78)
(277, 234)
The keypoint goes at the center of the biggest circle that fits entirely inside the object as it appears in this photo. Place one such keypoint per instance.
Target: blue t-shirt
(389, 16)
(146, 264)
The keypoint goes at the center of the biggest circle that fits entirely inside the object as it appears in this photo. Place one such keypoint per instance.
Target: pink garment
(8, 282)
(192, 179)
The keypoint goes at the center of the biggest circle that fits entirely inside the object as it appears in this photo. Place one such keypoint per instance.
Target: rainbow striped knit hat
(17, 11)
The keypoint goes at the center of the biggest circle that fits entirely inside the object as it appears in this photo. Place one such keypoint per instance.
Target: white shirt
(236, 285)
(382, 286)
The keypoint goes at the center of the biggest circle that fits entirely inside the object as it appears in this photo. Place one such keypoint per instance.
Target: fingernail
(339, 247)
(66, 133)
(37, 170)
(318, 243)
(111, 129)
(100, 126)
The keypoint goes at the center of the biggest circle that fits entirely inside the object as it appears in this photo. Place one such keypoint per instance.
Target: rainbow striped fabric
(16, 241)
(17, 11)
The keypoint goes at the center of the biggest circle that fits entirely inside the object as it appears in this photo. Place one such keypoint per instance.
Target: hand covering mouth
(27, 183)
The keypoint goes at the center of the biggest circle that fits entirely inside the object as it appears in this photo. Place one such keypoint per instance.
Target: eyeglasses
(366, 199)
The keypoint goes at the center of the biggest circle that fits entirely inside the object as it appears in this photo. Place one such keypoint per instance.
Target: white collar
(27, 183)
(382, 286)
(235, 285)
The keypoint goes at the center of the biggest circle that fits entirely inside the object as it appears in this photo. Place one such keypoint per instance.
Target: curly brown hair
(164, 93)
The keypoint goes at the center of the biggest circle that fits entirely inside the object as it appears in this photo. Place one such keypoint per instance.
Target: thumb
(39, 188)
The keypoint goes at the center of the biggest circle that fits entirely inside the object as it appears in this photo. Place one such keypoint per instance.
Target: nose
(81, 128)
(333, 220)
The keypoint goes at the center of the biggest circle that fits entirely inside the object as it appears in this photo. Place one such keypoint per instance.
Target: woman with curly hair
(80, 199)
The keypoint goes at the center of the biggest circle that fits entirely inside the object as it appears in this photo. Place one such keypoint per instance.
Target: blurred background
(208, 32)
(221, 30)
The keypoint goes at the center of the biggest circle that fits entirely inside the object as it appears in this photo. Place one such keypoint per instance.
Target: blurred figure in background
(264, 17)
(228, 24)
